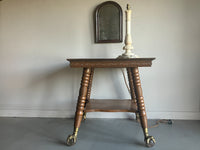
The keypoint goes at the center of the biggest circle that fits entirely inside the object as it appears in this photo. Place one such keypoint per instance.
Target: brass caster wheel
(71, 140)
(150, 141)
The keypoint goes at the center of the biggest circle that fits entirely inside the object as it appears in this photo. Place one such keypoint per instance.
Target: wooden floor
(95, 134)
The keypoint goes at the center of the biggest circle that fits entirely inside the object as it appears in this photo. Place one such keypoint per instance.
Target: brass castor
(71, 140)
(150, 141)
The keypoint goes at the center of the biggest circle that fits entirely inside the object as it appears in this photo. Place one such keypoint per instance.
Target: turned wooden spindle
(132, 90)
(140, 99)
(131, 84)
(82, 97)
(90, 85)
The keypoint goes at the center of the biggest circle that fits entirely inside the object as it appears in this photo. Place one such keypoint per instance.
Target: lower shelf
(110, 106)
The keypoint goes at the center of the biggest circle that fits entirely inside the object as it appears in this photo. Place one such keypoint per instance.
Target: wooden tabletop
(110, 62)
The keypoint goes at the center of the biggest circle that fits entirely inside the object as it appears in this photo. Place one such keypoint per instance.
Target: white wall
(36, 37)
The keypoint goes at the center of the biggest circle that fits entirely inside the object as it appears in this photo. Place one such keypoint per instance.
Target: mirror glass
(108, 22)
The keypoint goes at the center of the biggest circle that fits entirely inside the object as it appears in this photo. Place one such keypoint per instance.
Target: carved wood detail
(111, 63)
(82, 97)
(131, 84)
(90, 84)
(139, 97)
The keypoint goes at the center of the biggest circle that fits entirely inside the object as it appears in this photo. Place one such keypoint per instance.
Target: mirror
(108, 23)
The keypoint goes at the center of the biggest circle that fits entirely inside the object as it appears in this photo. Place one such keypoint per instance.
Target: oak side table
(135, 104)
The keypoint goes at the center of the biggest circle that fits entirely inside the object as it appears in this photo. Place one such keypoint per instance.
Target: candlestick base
(127, 55)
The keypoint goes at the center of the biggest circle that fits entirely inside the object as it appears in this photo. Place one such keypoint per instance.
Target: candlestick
(128, 40)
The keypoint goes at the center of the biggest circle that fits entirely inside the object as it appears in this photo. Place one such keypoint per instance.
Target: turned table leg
(132, 90)
(80, 105)
(89, 90)
(150, 141)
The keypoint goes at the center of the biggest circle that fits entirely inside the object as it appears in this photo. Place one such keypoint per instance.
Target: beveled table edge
(110, 62)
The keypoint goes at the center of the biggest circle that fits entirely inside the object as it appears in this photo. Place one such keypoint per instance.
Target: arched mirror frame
(97, 23)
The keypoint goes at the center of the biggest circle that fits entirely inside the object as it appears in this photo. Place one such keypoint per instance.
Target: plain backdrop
(36, 37)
